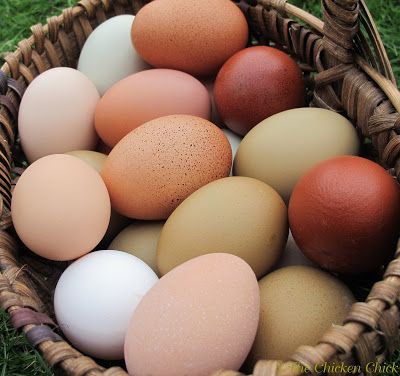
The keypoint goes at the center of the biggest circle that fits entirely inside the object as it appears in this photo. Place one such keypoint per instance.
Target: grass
(17, 357)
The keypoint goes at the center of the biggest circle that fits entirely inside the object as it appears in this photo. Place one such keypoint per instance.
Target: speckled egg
(145, 96)
(156, 166)
(256, 83)
(189, 35)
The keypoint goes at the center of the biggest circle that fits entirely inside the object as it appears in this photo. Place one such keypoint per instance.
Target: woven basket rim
(371, 329)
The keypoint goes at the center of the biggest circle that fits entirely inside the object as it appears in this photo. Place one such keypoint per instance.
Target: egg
(298, 304)
(345, 213)
(108, 55)
(292, 255)
(283, 147)
(57, 114)
(148, 95)
(234, 140)
(199, 318)
(256, 83)
(216, 218)
(140, 240)
(95, 298)
(96, 160)
(189, 35)
(156, 166)
(215, 118)
(60, 207)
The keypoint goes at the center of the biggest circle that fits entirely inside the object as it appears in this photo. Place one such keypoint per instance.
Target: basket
(346, 70)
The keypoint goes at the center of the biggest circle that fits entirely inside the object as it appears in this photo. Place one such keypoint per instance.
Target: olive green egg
(237, 215)
(281, 148)
(298, 304)
(140, 239)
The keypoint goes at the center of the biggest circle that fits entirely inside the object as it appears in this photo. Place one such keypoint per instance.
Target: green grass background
(18, 358)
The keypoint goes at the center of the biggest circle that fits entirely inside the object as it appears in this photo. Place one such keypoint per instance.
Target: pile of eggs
(205, 274)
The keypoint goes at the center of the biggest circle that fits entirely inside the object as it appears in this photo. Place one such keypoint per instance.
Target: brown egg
(256, 83)
(145, 96)
(156, 166)
(344, 214)
(189, 35)
(298, 304)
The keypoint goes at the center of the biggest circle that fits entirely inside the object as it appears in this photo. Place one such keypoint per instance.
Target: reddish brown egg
(193, 36)
(345, 215)
(256, 83)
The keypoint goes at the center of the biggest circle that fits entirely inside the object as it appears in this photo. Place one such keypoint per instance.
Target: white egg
(292, 255)
(96, 297)
(215, 118)
(108, 55)
(234, 140)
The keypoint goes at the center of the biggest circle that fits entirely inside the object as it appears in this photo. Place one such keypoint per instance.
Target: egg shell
(108, 55)
(148, 95)
(189, 35)
(292, 255)
(215, 118)
(60, 207)
(269, 81)
(234, 140)
(216, 218)
(184, 323)
(298, 305)
(140, 239)
(280, 149)
(159, 164)
(95, 298)
(345, 213)
(56, 114)
(96, 160)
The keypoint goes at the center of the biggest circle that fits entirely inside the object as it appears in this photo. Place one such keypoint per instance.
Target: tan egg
(280, 149)
(199, 318)
(298, 305)
(140, 240)
(237, 215)
(60, 207)
(96, 160)
(156, 166)
(189, 35)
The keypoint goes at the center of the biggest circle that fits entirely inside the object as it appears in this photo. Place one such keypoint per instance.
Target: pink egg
(199, 318)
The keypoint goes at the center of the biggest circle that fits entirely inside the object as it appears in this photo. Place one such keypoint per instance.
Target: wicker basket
(346, 70)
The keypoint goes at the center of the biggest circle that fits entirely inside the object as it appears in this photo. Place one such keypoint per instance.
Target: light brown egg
(140, 239)
(60, 207)
(96, 160)
(189, 35)
(298, 304)
(156, 166)
(148, 95)
(199, 318)
(237, 215)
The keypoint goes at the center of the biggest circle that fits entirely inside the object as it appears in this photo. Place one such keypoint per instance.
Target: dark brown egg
(256, 83)
(344, 214)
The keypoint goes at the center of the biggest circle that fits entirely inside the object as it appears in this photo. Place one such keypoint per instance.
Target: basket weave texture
(346, 70)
